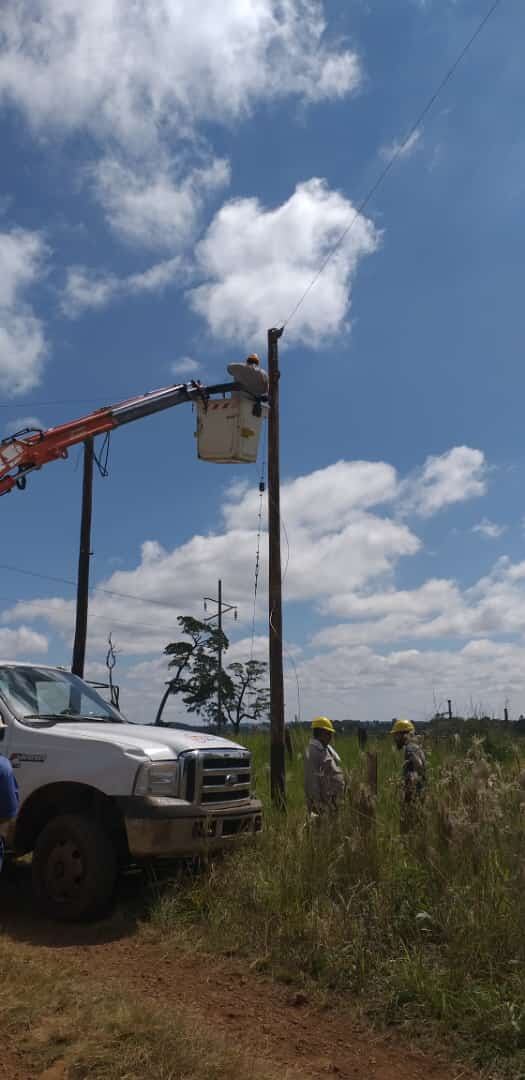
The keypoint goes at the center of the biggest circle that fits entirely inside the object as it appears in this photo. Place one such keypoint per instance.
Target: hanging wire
(93, 588)
(287, 653)
(102, 459)
(262, 488)
(111, 660)
(111, 656)
(291, 661)
(395, 156)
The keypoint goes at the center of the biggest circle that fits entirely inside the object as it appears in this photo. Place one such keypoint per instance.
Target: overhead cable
(395, 156)
(262, 488)
(93, 588)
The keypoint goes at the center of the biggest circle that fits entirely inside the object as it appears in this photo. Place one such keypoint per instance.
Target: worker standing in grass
(324, 781)
(8, 799)
(414, 768)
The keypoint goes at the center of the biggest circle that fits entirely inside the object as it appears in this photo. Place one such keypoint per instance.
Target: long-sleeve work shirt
(324, 782)
(252, 378)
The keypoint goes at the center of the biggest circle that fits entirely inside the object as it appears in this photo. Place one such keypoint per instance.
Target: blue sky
(168, 188)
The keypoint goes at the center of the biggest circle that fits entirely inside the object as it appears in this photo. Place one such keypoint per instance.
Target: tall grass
(428, 926)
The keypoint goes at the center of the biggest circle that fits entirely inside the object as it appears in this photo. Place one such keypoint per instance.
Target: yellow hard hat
(324, 723)
(252, 358)
(401, 726)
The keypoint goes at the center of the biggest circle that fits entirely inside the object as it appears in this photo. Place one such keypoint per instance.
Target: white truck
(98, 793)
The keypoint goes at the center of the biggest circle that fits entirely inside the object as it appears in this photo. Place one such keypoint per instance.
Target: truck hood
(144, 740)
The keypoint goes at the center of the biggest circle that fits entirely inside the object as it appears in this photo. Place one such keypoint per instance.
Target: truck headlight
(160, 780)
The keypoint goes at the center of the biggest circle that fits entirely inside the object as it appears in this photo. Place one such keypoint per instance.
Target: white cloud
(22, 422)
(358, 682)
(437, 610)
(365, 685)
(401, 148)
(128, 72)
(151, 208)
(185, 366)
(322, 501)
(490, 529)
(445, 479)
(433, 596)
(337, 546)
(257, 262)
(22, 642)
(140, 80)
(327, 516)
(87, 289)
(395, 651)
(22, 342)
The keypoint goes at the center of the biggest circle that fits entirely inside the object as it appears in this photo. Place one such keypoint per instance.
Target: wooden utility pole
(84, 555)
(277, 752)
(371, 771)
(219, 673)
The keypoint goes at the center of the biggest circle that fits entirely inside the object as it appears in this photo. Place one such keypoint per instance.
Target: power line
(110, 621)
(45, 404)
(17, 405)
(109, 618)
(258, 552)
(291, 661)
(93, 589)
(257, 568)
(395, 156)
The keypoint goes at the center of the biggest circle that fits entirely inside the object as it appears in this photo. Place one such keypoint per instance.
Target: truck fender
(68, 798)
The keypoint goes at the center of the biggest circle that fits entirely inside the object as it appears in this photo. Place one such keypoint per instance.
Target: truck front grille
(218, 778)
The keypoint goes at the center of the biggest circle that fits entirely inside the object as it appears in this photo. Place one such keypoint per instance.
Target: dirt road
(282, 1029)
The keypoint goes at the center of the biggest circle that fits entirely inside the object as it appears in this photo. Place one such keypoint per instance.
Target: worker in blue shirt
(9, 799)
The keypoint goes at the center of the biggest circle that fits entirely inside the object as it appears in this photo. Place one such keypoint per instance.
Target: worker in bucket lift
(324, 781)
(251, 377)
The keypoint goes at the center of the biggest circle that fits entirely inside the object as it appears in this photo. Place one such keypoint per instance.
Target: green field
(425, 930)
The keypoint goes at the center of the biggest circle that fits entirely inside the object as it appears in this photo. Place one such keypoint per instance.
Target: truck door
(26, 747)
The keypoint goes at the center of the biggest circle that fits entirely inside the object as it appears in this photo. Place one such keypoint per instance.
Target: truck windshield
(35, 693)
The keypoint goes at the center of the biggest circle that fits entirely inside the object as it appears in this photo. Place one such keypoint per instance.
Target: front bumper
(165, 828)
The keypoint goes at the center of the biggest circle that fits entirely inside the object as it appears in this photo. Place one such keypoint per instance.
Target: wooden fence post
(371, 771)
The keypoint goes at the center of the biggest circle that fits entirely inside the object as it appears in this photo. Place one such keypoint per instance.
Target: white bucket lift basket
(227, 430)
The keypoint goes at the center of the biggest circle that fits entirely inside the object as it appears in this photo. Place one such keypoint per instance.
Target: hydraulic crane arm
(30, 449)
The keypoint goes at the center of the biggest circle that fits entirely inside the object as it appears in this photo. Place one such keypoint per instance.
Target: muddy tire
(74, 868)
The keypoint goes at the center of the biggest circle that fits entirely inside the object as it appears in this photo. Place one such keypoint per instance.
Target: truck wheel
(74, 868)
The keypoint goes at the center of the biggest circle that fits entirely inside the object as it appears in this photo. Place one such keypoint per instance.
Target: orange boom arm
(30, 449)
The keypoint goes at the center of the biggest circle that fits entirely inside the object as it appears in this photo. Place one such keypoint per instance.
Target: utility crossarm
(31, 448)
